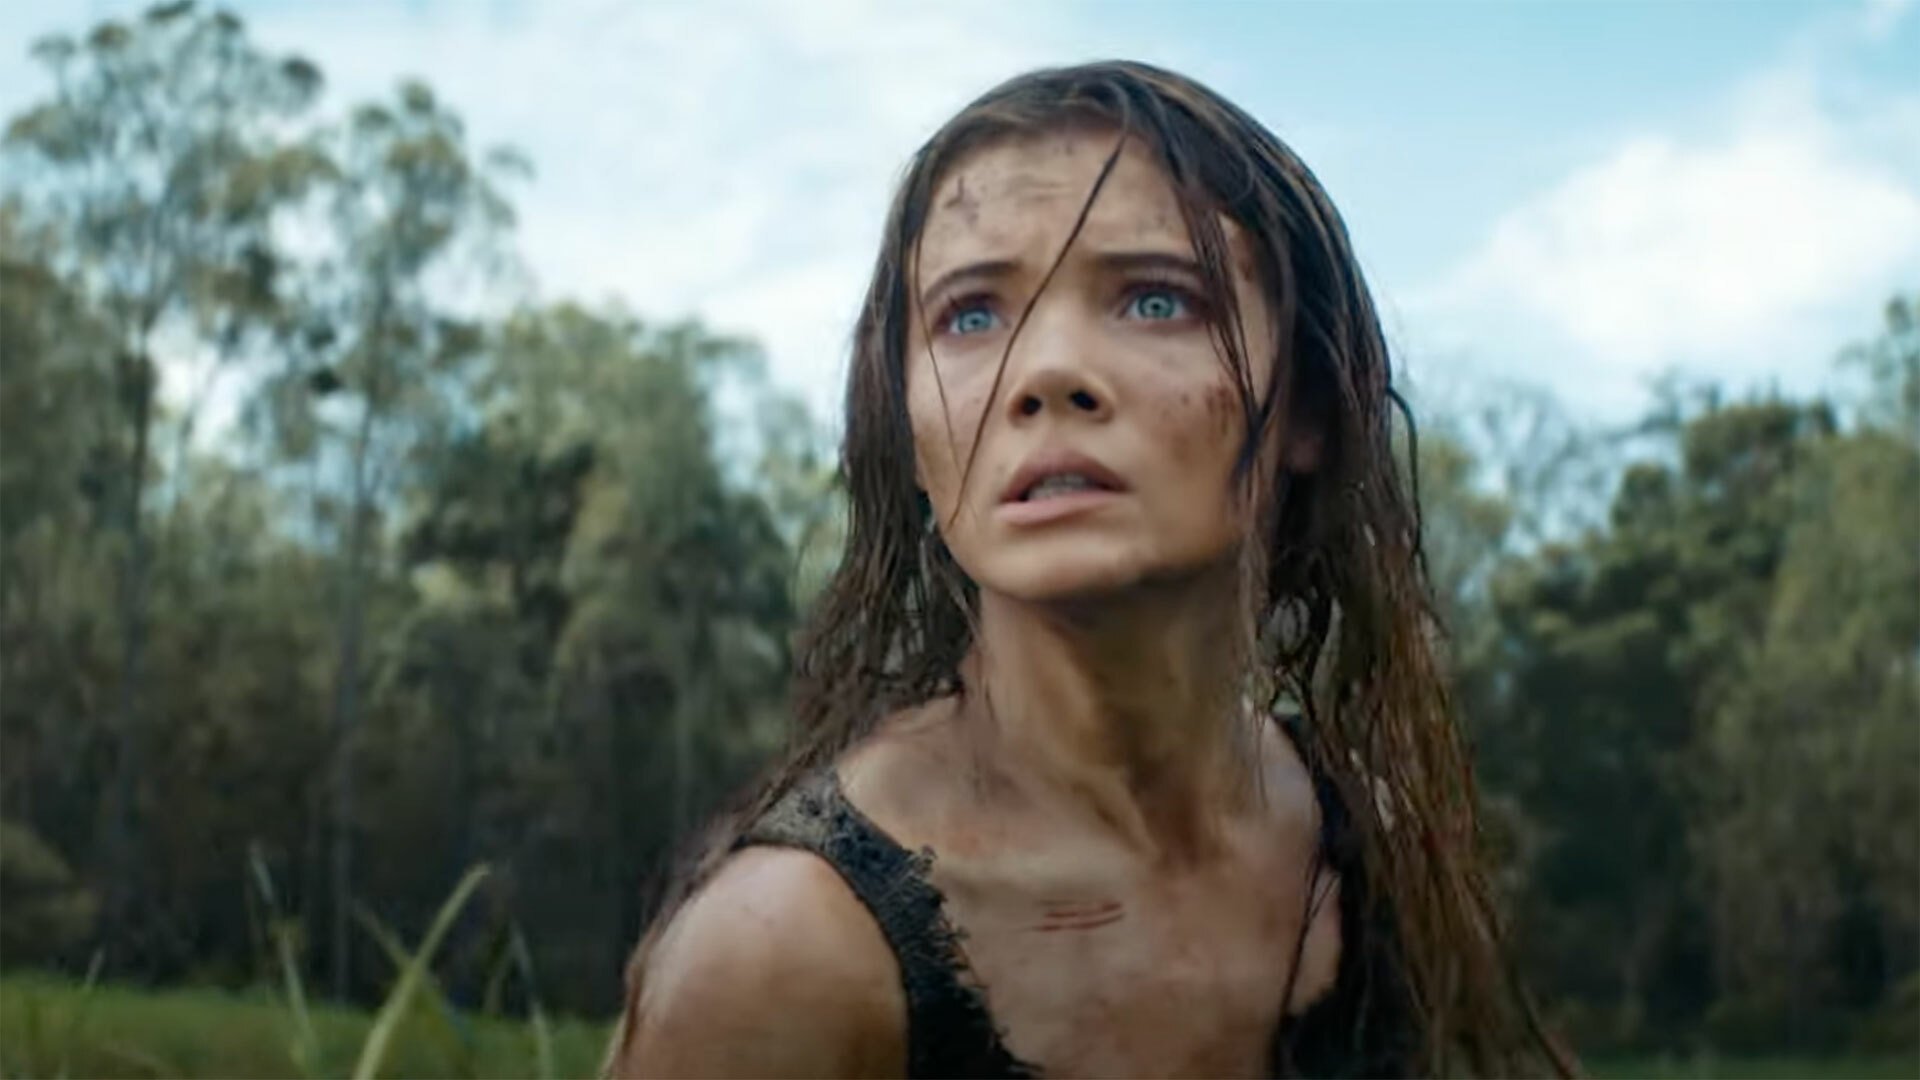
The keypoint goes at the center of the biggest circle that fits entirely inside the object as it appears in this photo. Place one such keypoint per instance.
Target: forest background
(469, 578)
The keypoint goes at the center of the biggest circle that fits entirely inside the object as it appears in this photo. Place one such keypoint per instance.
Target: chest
(1092, 974)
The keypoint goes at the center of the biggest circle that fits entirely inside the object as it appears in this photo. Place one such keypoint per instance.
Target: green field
(51, 1026)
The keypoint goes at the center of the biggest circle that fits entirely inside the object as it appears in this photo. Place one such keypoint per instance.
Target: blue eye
(1156, 305)
(972, 319)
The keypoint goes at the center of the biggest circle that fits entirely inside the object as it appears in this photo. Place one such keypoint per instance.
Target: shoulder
(1290, 791)
(773, 968)
(1299, 814)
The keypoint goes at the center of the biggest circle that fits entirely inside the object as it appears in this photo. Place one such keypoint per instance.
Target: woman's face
(1105, 459)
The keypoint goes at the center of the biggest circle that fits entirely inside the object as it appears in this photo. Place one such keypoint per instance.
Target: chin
(1066, 589)
(1090, 572)
(1052, 577)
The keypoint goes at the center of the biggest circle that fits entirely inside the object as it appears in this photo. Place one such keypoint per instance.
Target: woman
(1121, 744)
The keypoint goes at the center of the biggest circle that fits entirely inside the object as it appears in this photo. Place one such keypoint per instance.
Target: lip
(1055, 463)
(1053, 507)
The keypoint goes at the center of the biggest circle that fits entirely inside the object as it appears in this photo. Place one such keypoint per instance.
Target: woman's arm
(774, 968)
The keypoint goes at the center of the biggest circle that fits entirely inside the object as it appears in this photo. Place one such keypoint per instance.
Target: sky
(1580, 196)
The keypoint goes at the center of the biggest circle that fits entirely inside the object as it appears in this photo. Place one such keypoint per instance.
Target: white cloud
(726, 160)
(1666, 249)
(1753, 248)
(722, 160)
(733, 161)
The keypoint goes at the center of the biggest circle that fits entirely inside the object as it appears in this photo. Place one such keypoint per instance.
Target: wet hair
(1340, 626)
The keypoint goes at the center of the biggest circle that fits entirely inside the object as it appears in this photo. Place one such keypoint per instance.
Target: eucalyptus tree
(382, 336)
(161, 162)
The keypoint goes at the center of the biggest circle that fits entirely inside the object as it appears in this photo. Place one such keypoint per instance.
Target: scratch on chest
(1071, 915)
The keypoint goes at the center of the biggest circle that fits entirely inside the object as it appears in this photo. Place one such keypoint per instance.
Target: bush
(50, 917)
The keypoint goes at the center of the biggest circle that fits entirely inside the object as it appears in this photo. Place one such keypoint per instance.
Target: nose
(1054, 370)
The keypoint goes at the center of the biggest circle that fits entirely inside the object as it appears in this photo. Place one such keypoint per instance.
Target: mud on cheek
(1203, 425)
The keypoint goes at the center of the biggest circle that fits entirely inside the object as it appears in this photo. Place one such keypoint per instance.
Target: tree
(156, 164)
(1890, 363)
(59, 444)
(1698, 720)
(1808, 849)
(668, 670)
(1612, 651)
(801, 489)
(500, 575)
(377, 369)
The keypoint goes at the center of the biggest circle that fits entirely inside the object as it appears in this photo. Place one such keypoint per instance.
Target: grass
(58, 1026)
(54, 1025)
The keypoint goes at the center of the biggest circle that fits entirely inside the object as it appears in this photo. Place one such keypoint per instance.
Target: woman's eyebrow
(986, 268)
(1112, 261)
(1147, 260)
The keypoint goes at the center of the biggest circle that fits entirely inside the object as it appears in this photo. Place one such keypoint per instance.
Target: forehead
(1025, 193)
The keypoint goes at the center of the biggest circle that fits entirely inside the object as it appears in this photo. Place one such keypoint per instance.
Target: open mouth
(1059, 484)
(1052, 475)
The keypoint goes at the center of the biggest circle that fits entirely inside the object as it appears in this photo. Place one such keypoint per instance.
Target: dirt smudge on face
(1223, 408)
(963, 203)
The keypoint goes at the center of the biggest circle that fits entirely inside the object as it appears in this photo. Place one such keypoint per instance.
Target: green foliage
(1698, 727)
(141, 173)
(49, 914)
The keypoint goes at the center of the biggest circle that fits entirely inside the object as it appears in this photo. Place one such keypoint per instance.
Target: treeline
(465, 581)
(454, 586)
(1695, 706)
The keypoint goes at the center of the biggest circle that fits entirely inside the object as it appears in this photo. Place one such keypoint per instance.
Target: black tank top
(1351, 1031)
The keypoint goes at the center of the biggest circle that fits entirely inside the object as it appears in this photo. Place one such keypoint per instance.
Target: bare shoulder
(1293, 805)
(774, 968)
(1287, 784)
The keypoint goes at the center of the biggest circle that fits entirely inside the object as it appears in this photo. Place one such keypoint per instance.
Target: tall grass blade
(454, 1041)
(542, 1033)
(400, 998)
(305, 1048)
(501, 949)
(78, 1018)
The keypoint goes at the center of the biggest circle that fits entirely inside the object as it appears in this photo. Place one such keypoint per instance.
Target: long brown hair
(1340, 626)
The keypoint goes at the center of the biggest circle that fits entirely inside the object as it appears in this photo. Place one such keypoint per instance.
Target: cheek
(942, 430)
(1203, 426)
(1224, 416)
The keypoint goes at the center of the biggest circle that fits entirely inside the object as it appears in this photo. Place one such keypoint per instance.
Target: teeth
(1060, 485)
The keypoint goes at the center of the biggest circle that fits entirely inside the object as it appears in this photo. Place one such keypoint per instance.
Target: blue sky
(1577, 195)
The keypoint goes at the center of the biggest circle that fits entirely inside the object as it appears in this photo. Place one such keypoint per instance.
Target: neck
(1125, 712)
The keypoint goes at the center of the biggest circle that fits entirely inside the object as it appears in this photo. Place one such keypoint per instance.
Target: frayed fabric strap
(949, 1030)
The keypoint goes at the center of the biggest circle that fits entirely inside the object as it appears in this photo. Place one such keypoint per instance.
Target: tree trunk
(346, 704)
(121, 843)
